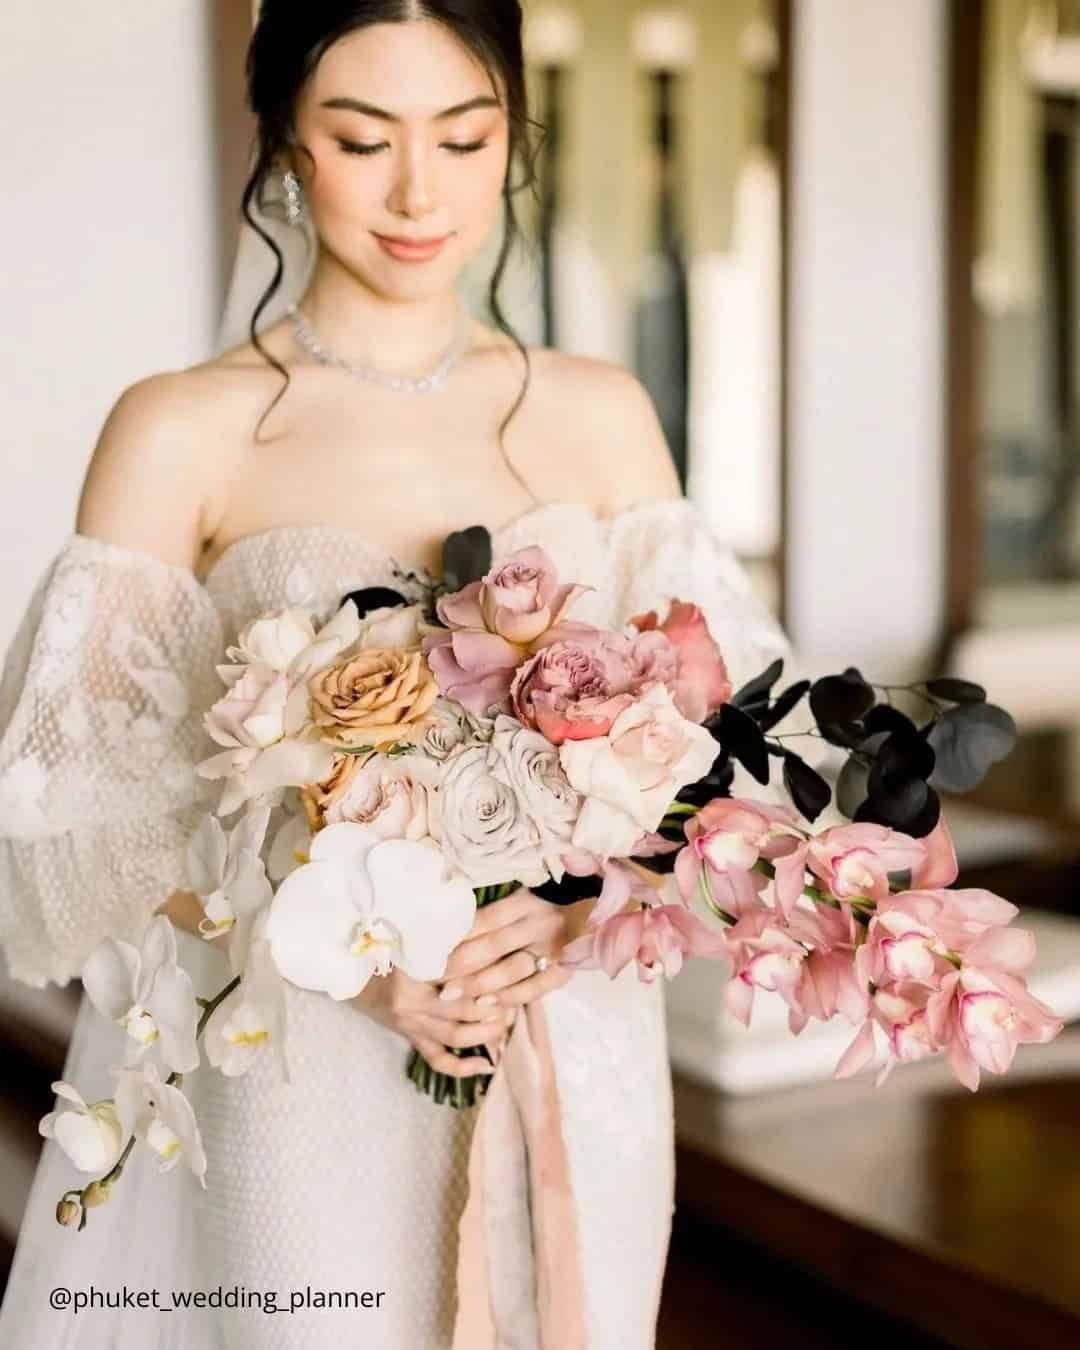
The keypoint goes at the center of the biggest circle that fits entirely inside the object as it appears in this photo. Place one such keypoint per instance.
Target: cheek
(473, 191)
(342, 188)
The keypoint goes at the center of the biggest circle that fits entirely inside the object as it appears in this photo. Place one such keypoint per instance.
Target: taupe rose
(374, 697)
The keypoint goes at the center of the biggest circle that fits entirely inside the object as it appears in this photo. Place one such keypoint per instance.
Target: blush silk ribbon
(519, 1282)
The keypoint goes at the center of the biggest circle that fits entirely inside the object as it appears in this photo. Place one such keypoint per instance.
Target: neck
(400, 337)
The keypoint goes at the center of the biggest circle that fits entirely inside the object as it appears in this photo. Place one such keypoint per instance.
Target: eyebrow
(360, 106)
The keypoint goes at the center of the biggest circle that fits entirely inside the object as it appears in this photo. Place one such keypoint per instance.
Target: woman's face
(385, 161)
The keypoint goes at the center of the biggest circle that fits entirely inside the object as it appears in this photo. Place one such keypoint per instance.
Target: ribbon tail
(519, 1129)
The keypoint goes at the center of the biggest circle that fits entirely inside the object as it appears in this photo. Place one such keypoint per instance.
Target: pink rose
(701, 684)
(573, 689)
(493, 625)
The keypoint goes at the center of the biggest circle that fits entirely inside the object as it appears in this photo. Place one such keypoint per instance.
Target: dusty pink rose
(493, 625)
(574, 688)
(701, 683)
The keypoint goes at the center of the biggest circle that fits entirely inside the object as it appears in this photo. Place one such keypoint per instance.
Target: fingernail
(486, 1000)
(451, 991)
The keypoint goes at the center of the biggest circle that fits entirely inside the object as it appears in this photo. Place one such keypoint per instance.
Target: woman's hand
(489, 968)
(412, 1008)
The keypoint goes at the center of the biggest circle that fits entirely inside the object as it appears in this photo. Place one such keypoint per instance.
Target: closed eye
(458, 148)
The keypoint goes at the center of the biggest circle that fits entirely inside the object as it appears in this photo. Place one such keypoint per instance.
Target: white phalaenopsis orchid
(363, 905)
(160, 1116)
(144, 991)
(227, 872)
(289, 847)
(91, 1135)
(252, 1018)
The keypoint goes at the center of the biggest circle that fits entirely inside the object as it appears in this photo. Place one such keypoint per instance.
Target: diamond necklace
(410, 384)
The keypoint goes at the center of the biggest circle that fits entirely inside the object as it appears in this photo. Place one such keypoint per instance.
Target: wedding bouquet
(393, 764)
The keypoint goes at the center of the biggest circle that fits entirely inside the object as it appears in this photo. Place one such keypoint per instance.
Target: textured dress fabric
(347, 1179)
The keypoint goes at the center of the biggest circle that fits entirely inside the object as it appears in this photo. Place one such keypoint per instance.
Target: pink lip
(411, 250)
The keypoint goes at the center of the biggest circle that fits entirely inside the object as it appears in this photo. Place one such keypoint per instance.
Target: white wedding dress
(347, 1179)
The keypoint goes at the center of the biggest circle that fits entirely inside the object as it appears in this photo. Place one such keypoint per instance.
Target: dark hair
(287, 45)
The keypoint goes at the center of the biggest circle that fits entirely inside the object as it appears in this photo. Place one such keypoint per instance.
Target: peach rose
(317, 798)
(373, 698)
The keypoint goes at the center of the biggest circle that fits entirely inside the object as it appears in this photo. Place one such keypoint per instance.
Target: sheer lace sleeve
(665, 550)
(101, 703)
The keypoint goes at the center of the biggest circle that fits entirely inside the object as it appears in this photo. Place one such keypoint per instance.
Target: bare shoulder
(612, 427)
(155, 470)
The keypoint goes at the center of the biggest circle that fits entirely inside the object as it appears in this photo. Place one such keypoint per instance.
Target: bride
(356, 431)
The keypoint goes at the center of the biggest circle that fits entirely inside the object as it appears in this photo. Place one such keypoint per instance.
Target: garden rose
(701, 684)
(274, 639)
(389, 794)
(492, 625)
(531, 765)
(630, 777)
(482, 823)
(573, 689)
(375, 697)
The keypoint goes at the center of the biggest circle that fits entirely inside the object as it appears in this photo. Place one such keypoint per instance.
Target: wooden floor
(721, 1293)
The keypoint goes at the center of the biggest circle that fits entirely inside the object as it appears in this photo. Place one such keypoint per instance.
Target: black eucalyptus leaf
(870, 745)
(783, 705)
(570, 890)
(841, 698)
(661, 863)
(467, 556)
(956, 691)
(910, 806)
(716, 783)
(884, 717)
(968, 739)
(743, 738)
(849, 735)
(905, 754)
(374, 597)
(809, 791)
(851, 785)
(759, 689)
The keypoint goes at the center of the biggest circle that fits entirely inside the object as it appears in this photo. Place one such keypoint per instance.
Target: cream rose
(274, 640)
(482, 823)
(630, 776)
(390, 794)
(531, 765)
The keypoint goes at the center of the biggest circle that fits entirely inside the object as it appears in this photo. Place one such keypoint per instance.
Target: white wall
(108, 238)
(867, 332)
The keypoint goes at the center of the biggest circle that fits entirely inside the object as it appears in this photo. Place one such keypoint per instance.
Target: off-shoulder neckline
(235, 549)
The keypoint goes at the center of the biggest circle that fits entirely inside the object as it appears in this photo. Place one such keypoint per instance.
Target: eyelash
(352, 148)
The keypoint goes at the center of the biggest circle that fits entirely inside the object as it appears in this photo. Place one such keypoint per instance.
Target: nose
(410, 195)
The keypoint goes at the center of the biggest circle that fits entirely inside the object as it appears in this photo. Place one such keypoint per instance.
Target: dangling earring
(294, 197)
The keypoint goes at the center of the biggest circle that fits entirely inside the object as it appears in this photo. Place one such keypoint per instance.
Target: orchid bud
(67, 1213)
(97, 1193)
